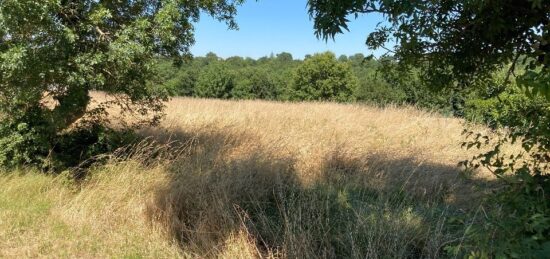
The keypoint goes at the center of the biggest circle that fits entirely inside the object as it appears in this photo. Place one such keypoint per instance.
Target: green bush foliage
(24, 138)
(374, 86)
(322, 78)
(216, 81)
(281, 77)
(255, 83)
(516, 222)
(503, 109)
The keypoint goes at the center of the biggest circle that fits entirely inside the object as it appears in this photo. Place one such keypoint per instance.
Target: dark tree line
(319, 77)
(325, 77)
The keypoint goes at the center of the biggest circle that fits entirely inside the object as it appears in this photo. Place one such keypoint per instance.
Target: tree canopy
(217, 81)
(455, 43)
(322, 77)
(57, 51)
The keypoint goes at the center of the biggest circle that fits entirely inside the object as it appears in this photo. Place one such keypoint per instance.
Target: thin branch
(512, 68)
(102, 35)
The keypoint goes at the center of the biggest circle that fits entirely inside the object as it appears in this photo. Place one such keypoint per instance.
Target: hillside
(255, 178)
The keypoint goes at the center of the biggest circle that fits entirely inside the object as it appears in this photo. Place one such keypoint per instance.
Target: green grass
(45, 215)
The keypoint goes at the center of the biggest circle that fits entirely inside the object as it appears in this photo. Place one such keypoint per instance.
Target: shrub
(376, 91)
(215, 81)
(506, 109)
(25, 139)
(322, 77)
(183, 83)
(255, 83)
(517, 222)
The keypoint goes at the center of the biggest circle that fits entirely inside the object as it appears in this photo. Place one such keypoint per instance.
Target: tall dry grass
(313, 179)
(251, 179)
(381, 145)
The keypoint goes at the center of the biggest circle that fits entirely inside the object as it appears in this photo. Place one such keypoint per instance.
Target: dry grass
(256, 179)
(381, 145)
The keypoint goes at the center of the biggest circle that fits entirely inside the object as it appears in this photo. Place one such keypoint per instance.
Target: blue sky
(274, 26)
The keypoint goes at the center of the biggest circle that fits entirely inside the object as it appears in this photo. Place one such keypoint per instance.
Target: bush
(25, 138)
(255, 83)
(506, 109)
(376, 91)
(182, 84)
(517, 219)
(83, 146)
(22, 144)
(216, 81)
(323, 78)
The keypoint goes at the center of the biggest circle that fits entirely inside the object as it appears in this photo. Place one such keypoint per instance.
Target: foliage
(374, 86)
(255, 83)
(25, 139)
(322, 77)
(216, 81)
(414, 91)
(183, 84)
(516, 220)
(59, 51)
(176, 80)
(374, 90)
(379, 82)
(505, 109)
(85, 146)
(265, 78)
(453, 43)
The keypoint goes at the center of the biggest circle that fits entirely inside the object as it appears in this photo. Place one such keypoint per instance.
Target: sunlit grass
(244, 179)
(43, 215)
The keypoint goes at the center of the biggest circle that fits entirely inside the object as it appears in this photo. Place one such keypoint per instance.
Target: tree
(322, 77)
(211, 57)
(357, 59)
(235, 62)
(343, 58)
(284, 57)
(215, 81)
(176, 80)
(183, 83)
(455, 43)
(60, 50)
(255, 83)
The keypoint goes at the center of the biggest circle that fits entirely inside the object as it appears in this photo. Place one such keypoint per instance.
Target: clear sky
(274, 26)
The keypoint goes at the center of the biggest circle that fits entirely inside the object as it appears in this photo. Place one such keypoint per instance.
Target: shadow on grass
(356, 207)
(410, 176)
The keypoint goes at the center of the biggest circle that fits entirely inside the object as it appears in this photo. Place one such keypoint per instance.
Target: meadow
(252, 179)
(436, 145)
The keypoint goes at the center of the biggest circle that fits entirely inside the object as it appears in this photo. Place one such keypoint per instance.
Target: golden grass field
(251, 179)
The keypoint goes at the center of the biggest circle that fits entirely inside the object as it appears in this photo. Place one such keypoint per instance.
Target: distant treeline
(325, 77)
